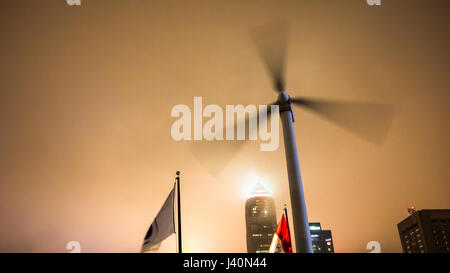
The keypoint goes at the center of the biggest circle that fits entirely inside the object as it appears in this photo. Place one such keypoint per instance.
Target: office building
(426, 231)
(261, 221)
(321, 240)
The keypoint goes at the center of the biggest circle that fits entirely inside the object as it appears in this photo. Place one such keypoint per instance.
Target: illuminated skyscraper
(261, 220)
(321, 239)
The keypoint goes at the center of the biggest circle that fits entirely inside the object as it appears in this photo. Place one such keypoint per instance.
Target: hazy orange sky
(86, 93)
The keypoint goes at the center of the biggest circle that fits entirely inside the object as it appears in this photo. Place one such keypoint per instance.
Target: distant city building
(261, 221)
(321, 240)
(426, 231)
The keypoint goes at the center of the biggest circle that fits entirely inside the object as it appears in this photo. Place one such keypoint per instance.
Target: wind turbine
(367, 120)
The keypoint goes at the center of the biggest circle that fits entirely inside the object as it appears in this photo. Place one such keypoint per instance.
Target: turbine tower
(298, 204)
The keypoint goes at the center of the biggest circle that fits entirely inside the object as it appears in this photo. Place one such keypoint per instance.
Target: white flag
(162, 227)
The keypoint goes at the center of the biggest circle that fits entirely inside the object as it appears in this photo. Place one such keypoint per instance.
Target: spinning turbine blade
(214, 155)
(271, 43)
(368, 120)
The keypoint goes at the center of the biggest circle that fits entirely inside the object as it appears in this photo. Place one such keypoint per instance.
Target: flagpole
(287, 221)
(180, 249)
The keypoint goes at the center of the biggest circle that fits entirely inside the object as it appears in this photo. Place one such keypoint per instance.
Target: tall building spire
(259, 191)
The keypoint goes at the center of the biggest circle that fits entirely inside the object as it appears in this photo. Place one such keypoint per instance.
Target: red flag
(282, 234)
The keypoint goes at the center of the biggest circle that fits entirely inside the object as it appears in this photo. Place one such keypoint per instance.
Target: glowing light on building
(259, 191)
(256, 186)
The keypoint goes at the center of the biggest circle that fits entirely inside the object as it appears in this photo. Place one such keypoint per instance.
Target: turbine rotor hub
(284, 98)
(284, 101)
